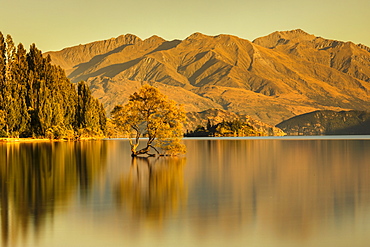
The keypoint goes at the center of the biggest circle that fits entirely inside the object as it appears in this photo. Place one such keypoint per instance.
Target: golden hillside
(271, 79)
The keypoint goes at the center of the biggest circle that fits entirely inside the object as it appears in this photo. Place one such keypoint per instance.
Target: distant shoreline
(313, 137)
(323, 137)
(22, 140)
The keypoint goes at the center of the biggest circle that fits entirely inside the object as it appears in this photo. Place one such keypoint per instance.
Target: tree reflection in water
(153, 189)
(231, 192)
(36, 177)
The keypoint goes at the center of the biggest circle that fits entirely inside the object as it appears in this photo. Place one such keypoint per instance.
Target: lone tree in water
(150, 114)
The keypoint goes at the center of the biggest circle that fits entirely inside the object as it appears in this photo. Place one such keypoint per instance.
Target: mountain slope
(272, 78)
(328, 123)
(343, 56)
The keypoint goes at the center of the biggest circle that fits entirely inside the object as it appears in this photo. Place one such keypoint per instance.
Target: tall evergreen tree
(102, 117)
(11, 106)
(2, 69)
(37, 99)
(68, 97)
(35, 61)
(90, 115)
(82, 103)
(20, 78)
(35, 92)
(44, 109)
(2, 123)
(44, 97)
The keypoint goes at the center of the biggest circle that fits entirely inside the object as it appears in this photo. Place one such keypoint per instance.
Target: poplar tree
(67, 97)
(102, 117)
(2, 85)
(2, 70)
(38, 100)
(2, 123)
(82, 105)
(10, 106)
(37, 94)
(91, 119)
(20, 78)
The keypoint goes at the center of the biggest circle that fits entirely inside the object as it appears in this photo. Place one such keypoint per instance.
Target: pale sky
(56, 24)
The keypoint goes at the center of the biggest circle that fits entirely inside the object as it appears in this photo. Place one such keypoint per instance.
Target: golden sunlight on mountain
(272, 78)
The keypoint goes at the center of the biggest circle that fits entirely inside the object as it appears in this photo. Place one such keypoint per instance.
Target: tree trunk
(135, 153)
(145, 150)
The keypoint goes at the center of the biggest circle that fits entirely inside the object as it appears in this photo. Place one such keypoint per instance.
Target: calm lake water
(223, 192)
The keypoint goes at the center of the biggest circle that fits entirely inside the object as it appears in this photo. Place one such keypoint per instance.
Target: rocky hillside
(328, 123)
(270, 79)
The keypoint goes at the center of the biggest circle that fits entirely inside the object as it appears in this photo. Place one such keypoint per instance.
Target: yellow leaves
(149, 113)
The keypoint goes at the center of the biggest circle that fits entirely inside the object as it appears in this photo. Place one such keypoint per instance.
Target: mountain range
(271, 79)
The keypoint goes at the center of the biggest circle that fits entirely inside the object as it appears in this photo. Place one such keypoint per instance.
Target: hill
(270, 79)
(328, 123)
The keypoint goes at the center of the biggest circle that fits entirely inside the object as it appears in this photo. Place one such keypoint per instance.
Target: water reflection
(36, 177)
(222, 193)
(153, 189)
(291, 189)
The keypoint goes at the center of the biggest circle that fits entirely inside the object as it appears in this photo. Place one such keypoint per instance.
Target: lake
(312, 191)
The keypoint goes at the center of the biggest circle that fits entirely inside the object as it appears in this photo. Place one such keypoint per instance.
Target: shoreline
(325, 137)
(23, 140)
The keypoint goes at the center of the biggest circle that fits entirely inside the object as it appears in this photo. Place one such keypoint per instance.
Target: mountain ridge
(272, 78)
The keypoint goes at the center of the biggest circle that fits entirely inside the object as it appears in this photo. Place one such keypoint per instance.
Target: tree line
(224, 129)
(38, 100)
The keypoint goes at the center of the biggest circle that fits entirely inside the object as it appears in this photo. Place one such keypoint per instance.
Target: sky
(57, 24)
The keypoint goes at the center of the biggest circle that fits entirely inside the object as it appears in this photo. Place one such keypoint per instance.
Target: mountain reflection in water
(223, 192)
(284, 189)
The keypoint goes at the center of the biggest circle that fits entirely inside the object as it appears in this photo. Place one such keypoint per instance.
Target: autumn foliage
(150, 114)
